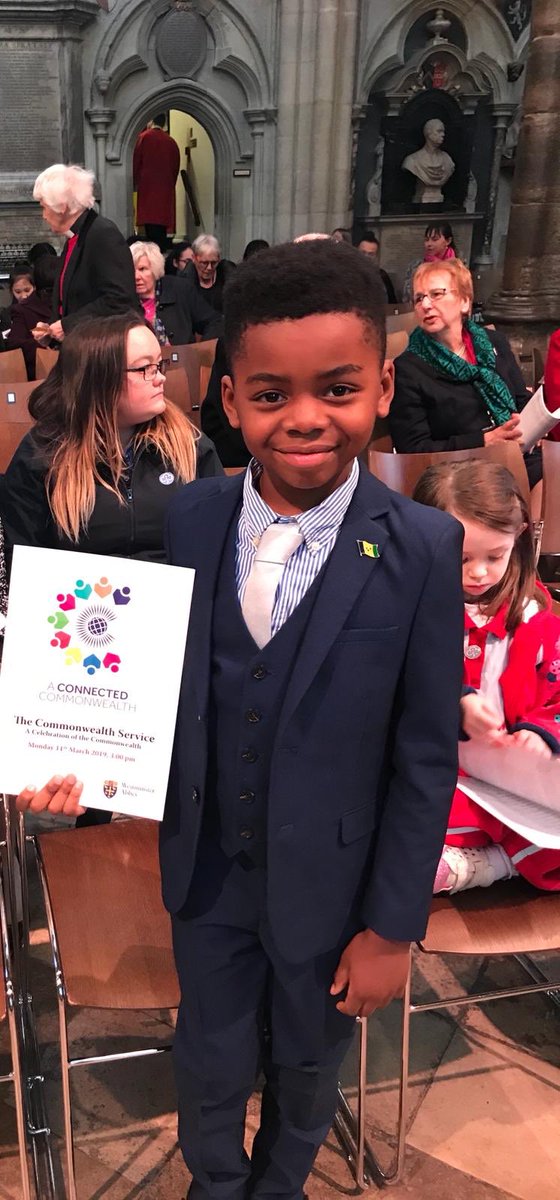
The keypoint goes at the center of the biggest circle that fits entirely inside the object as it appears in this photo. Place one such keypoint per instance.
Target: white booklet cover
(519, 788)
(91, 671)
(536, 420)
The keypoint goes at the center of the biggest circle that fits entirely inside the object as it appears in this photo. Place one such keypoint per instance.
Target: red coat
(530, 683)
(155, 168)
(552, 381)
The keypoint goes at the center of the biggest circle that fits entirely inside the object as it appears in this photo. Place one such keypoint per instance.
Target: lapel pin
(368, 549)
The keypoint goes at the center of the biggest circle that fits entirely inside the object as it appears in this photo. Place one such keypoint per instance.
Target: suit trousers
(245, 1010)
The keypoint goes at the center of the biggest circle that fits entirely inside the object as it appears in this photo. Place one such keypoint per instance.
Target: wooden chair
(405, 321)
(11, 434)
(510, 918)
(396, 344)
(8, 1017)
(401, 472)
(45, 360)
(396, 310)
(118, 955)
(197, 360)
(14, 399)
(12, 367)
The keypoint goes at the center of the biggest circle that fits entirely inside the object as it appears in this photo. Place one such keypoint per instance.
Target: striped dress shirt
(320, 527)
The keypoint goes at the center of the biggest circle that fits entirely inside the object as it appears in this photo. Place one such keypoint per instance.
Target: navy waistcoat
(246, 693)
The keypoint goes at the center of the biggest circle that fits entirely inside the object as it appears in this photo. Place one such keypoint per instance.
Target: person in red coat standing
(155, 169)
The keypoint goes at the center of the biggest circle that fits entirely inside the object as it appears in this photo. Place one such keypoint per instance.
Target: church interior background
(291, 115)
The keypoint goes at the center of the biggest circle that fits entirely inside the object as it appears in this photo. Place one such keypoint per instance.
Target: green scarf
(494, 391)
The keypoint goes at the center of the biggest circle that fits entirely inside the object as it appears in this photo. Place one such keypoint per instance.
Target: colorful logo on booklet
(84, 624)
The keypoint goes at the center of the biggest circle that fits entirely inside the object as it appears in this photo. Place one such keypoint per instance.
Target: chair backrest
(12, 367)
(401, 472)
(550, 543)
(195, 359)
(11, 434)
(396, 343)
(14, 399)
(102, 871)
(177, 389)
(45, 360)
(395, 310)
(406, 321)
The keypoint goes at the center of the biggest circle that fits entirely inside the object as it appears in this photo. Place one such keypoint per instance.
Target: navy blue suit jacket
(365, 756)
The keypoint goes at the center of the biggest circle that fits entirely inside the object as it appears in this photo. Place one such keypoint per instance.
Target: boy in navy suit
(316, 742)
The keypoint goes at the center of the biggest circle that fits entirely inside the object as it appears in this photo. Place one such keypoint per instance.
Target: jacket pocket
(368, 635)
(357, 824)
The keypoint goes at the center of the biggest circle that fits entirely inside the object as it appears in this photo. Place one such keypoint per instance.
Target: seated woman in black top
(171, 303)
(457, 385)
(108, 452)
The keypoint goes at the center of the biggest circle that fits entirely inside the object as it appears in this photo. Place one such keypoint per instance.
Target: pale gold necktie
(277, 544)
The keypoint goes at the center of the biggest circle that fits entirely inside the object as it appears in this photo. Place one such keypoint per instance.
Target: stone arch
(190, 97)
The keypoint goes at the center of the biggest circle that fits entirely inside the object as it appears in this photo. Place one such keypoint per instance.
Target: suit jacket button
(247, 796)
(253, 716)
(246, 833)
(249, 755)
(195, 796)
(259, 672)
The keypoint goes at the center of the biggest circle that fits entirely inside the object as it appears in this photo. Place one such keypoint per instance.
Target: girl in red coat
(512, 665)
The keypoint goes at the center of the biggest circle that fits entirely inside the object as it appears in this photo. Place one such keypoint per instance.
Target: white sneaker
(462, 867)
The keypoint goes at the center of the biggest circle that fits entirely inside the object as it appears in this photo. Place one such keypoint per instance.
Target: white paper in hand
(91, 672)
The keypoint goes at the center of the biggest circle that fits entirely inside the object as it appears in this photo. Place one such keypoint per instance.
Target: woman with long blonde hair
(107, 453)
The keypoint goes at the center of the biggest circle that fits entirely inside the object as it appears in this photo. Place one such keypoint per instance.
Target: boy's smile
(305, 394)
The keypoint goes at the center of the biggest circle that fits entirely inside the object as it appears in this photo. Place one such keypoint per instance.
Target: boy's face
(305, 396)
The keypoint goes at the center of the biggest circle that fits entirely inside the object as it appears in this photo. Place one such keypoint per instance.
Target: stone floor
(485, 1096)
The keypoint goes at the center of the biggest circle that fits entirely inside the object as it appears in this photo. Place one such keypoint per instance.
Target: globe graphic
(97, 626)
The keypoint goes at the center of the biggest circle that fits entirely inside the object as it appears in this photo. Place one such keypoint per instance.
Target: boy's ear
(387, 387)
(228, 401)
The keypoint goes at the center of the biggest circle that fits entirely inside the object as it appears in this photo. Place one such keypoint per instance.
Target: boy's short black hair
(301, 279)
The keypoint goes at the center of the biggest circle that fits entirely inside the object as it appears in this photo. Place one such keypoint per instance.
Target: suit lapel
(76, 256)
(347, 572)
(205, 535)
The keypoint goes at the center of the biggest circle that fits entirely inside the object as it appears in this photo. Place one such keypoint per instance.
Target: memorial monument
(431, 165)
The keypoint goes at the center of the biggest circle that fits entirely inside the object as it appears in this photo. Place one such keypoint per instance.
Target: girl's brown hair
(488, 493)
(77, 430)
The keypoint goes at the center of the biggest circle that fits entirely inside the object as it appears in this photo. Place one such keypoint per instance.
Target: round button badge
(473, 652)
(166, 478)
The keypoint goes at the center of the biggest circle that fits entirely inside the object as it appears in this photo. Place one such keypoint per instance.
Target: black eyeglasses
(150, 370)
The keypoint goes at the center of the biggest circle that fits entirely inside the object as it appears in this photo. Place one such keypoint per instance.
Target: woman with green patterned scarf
(458, 385)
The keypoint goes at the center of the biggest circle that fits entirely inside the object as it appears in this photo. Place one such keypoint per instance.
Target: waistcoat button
(246, 796)
(259, 672)
(195, 796)
(246, 833)
(249, 755)
(253, 715)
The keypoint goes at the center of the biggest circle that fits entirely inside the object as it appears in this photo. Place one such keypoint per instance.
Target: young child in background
(512, 665)
(21, 286)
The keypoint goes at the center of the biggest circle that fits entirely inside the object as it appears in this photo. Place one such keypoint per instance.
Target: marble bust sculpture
(431, 165)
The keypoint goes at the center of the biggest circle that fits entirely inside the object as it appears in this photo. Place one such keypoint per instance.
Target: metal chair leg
(63, 1031)
(351, 1129)
(16, 1073)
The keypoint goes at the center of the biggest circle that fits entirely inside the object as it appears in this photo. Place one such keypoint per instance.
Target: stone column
(502, 117)
(100, 119)
(317, 40)
(530, 294)
(261, 222)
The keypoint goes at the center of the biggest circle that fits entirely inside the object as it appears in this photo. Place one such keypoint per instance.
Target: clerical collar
(77, 225)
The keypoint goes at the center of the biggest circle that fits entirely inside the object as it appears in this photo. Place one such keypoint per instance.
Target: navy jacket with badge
(364, 759)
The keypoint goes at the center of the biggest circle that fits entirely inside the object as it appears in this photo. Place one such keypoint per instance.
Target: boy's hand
(533, 742)
(373, 970)
(58, 796)
(479, 719)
